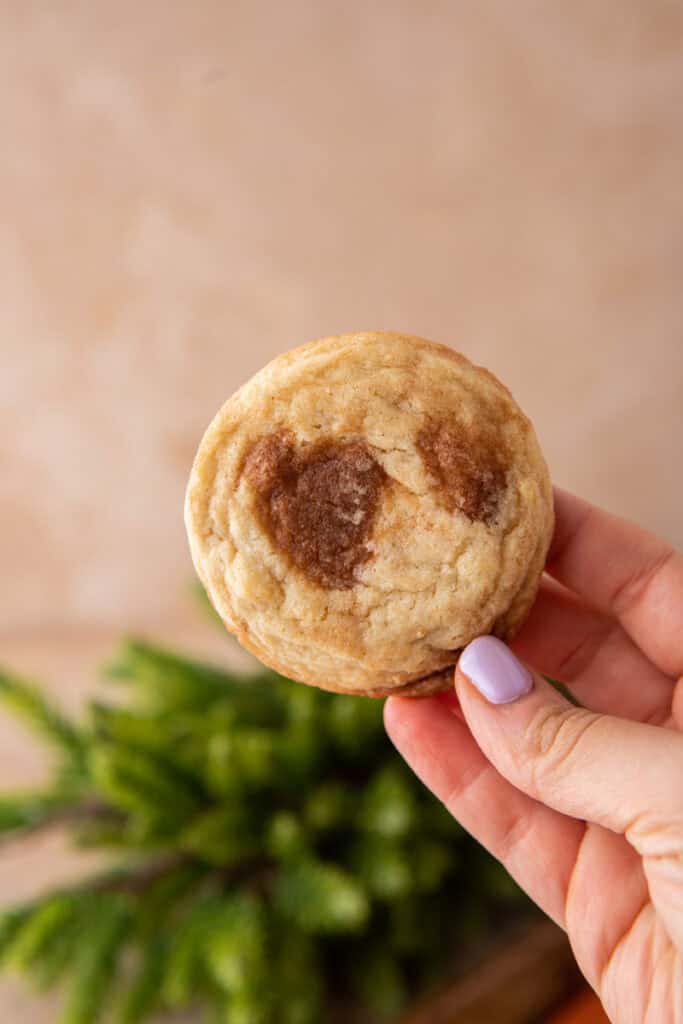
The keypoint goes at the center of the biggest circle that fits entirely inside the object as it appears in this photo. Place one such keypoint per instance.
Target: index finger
(622, 570)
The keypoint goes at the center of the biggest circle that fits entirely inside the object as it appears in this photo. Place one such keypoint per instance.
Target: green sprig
(269, 854)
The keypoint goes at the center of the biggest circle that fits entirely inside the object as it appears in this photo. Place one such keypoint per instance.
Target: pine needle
(25, 700)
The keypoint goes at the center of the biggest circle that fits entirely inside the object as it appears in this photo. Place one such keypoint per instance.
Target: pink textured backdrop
(187, 189)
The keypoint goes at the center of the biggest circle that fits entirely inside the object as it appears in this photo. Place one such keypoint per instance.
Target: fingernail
(495, 671)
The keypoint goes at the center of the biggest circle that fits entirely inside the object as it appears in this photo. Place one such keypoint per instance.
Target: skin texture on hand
(584, 806)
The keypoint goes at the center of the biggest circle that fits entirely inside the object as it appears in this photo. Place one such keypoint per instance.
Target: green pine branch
(109, 922)
(142, 998)
(25, 700)
(24, 811)
(564, 690)
(169, 679)
(267, 853)
(320, 897)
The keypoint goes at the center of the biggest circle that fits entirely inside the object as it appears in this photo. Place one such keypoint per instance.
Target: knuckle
(658, 833)
(553, 737)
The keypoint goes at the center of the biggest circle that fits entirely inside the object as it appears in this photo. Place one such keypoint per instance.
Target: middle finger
(577, 645)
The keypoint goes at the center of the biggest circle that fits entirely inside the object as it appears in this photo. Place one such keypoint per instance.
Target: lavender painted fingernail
(495, 671)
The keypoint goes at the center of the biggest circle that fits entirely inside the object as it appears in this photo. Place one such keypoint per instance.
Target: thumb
(623, 775)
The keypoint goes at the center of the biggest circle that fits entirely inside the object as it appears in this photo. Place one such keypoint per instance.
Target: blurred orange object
(585, 1009)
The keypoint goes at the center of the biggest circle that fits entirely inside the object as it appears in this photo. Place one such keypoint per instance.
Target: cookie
(364, 507)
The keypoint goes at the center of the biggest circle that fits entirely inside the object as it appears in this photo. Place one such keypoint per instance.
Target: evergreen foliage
(271, 853)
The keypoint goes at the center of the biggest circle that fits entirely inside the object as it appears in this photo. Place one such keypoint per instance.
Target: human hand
(583, 807)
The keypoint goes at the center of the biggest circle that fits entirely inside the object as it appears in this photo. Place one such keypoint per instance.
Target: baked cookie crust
(365, 506)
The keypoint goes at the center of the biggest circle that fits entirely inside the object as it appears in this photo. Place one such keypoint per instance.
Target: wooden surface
(517, 984)
(583, 1009)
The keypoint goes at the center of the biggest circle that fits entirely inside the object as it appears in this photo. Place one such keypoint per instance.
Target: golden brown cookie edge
(441, 680)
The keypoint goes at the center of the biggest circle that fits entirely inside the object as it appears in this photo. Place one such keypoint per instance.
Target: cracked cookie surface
(364, 507)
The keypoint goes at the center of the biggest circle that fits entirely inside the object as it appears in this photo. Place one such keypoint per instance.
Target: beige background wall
(188, 188)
